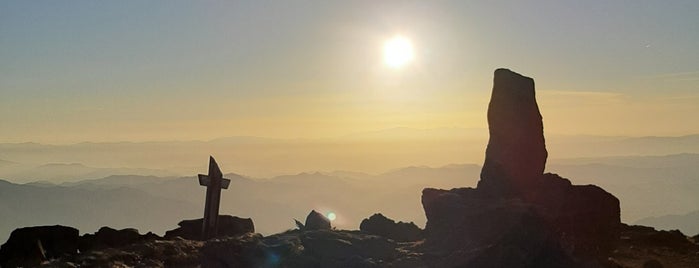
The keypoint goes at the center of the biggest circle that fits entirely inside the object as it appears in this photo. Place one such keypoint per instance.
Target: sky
(75, 71)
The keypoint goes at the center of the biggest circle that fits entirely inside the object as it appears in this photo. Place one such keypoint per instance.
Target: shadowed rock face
(516, 153)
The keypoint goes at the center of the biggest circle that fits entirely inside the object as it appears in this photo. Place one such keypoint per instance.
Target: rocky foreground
(638, 246)
(518, 216)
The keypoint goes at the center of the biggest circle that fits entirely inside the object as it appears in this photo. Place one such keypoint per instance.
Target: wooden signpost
(214, 182)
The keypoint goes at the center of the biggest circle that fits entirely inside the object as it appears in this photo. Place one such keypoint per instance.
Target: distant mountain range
(648, 186)
(689, 223)
(371, 152)
(58, 172)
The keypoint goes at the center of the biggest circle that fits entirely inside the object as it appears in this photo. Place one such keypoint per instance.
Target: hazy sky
(74, 71)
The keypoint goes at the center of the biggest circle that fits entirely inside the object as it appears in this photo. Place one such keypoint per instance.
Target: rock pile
(32, 246)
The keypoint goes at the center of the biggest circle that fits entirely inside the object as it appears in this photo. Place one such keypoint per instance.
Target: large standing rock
(227, 226)
(30, 246)
(518, 216)
(516, 153)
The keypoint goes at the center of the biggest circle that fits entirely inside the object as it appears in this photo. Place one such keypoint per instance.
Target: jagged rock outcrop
(517, 212)
(227, 226)
(516, 153)
(317, 221)
(107, 237)
(527, 244)
(648, 236)
(380, 225)
(30, 246)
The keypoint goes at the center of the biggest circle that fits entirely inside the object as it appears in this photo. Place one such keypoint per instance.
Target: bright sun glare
(397, 51)
(332, 216)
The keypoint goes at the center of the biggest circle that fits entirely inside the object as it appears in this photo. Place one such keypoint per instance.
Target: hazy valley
(155, 199)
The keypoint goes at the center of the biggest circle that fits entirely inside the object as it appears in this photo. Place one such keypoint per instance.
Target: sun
(398, 51)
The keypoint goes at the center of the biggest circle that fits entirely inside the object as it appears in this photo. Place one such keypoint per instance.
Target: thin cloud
(678, 76)
(590, 94)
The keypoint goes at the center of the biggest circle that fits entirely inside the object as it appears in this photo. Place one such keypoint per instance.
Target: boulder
(107, 237)
(516, 153)
(467, 228)
(586, 218)
(316, 221)
(379, 225)
(30, 246)
(227, 226)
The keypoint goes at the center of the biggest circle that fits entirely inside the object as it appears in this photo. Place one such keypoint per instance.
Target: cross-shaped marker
(214, 182)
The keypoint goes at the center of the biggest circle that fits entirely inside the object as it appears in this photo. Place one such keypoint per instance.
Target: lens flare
(332, 216)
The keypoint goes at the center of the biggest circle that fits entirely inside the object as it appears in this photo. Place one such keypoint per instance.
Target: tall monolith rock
(516, 152)
(518, 216)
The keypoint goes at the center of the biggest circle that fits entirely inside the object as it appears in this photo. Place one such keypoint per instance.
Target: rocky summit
(518, 216)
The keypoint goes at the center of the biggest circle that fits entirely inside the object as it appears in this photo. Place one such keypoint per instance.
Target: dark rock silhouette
(648, 236)
(312, 248)
(107, 237)
(468, 228)
(517, 212)
(227, 226)
(30, 246)
(379, 225)
(527, 244)
(516, 154)
(316, 221)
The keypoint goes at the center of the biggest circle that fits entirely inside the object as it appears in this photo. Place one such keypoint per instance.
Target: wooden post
(214, 182)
